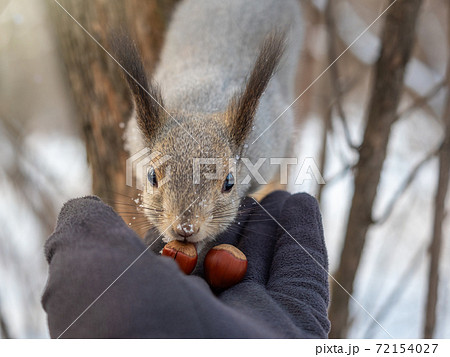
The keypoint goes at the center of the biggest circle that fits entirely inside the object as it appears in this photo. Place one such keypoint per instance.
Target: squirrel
(226, 72)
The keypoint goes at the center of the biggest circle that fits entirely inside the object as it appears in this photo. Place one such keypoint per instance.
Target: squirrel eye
(228, 183)
(151, 175)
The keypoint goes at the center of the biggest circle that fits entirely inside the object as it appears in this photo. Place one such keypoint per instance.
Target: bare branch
(36, 197)
(4, 329)
(423, 100)
(347, 168)
(323, 149)
(402, 189)
(334, 72)
(396, 294)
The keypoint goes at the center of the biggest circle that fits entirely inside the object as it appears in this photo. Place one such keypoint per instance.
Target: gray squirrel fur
(208, 56)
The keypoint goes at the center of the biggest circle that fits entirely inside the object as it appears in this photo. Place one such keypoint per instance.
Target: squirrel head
(191, 191)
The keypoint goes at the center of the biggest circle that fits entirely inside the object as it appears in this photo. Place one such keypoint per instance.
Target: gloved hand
(93, 253)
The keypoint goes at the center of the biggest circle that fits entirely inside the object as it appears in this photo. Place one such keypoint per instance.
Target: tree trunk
(439, 213)
(397, 44)
(99, 91)
(435, 246)
(4, 331)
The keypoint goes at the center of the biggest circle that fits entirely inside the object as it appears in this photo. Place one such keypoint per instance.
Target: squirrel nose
(185, 229)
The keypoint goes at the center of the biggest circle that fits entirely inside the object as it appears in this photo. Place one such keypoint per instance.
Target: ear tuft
(146, 95)
(243, 105)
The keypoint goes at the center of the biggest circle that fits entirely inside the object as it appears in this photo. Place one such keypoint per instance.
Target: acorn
(224, 266)
(185, 254)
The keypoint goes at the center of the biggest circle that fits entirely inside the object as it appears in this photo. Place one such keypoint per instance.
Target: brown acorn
(185, 254)
(224, 266)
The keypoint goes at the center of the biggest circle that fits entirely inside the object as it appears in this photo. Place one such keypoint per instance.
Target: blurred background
(374, 115)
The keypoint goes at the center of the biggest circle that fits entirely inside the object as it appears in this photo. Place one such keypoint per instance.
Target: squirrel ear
(146, 95)
(243, 105)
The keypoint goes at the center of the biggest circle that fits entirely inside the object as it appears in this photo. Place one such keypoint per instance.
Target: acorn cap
(185, 254)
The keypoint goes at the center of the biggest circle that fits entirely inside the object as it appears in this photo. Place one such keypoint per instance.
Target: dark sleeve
(286, 285)
(104, 282)
(299, 272)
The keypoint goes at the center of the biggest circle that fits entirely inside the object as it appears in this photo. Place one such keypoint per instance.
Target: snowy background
(43, 163)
